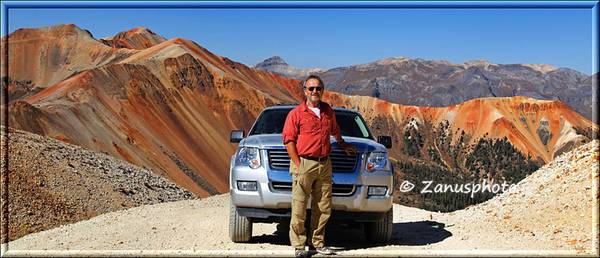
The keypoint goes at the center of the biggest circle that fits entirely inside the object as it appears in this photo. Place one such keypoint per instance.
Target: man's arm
(349, 149)
(291, 150)
(290, 135)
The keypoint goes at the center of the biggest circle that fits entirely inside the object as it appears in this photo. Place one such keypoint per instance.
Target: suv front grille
(337, 189)
(340, 162)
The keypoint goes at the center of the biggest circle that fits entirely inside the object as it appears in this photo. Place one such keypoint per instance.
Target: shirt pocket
(309, 126)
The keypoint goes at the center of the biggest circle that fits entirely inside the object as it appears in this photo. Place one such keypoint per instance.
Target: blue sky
(329, 38)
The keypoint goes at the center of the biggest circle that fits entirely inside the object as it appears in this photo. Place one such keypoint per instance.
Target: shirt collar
(303, 105)
(322, 105)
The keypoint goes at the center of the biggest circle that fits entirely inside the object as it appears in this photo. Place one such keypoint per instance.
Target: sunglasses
(314, 88)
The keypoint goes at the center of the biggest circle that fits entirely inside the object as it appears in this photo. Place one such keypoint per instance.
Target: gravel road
(199, 227)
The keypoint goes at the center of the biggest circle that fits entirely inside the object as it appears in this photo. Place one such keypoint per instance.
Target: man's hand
(293, 153)
(349, 149)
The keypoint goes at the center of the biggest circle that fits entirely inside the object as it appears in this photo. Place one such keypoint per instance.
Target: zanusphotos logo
(406, 186)
(467, 188)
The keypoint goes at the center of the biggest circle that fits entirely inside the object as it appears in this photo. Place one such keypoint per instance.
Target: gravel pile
(553, 208)
(52, 183)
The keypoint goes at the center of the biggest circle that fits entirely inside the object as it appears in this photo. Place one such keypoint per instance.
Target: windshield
(271, 122)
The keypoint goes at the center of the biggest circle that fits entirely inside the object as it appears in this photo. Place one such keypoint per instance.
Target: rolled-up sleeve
(290, 128)
(335, 129)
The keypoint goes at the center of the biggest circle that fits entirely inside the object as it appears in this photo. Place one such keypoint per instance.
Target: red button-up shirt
(309, 132)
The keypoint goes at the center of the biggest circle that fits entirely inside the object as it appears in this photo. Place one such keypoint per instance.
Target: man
(306, 137)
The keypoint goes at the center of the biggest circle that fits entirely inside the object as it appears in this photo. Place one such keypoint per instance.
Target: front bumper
(265, 198)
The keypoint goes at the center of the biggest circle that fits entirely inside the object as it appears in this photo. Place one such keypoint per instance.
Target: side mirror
(236, 136)
(385, 141)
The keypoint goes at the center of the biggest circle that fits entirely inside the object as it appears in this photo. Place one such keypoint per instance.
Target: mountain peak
(140, 29)
(276, 64)
(59, 30)
(478, 62)
(392, 60)
(136, 38)
(271, 61)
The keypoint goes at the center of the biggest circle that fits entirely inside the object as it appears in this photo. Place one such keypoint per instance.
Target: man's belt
(318, 159)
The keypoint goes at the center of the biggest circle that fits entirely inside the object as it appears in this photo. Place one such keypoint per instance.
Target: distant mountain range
(169, 105)
(277, 65)
(441, 83)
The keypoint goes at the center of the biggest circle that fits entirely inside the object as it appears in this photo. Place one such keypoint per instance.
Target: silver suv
(260, 182)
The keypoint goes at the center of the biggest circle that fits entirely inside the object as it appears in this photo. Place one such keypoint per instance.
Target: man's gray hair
(310, 77)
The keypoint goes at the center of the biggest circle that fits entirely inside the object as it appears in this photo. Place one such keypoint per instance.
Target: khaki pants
(312, 177)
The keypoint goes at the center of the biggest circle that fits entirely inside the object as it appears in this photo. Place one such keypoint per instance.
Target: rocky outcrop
(186, 71)
(16, 89)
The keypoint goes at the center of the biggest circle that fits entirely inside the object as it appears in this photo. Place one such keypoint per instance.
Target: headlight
(376, 190)
(247, 156)
(377, 161)
(247, 185)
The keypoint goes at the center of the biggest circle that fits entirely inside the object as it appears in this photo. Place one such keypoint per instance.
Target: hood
(274, 141)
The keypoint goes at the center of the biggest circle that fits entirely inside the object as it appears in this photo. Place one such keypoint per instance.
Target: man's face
(313, 91)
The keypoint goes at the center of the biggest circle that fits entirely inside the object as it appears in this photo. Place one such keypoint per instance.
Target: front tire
(240, 227)
(380, 231)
